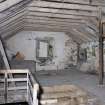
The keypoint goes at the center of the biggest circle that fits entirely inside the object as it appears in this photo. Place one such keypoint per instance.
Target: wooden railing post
(35, 92)
(5, 87)
(27, 86)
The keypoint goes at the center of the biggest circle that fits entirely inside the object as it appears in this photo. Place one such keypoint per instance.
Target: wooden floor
(72, 76)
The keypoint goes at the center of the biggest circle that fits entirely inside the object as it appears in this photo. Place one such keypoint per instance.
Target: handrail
(32, 86)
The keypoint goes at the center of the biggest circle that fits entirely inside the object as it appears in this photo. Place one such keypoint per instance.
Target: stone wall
(91, 64)
(70, 52)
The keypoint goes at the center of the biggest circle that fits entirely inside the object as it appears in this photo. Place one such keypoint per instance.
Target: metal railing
(30, 85)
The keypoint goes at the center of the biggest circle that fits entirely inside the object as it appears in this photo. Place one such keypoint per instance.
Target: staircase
(25, 89)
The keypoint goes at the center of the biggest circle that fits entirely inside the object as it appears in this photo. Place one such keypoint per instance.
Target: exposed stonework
(91, 64)
(70, 52)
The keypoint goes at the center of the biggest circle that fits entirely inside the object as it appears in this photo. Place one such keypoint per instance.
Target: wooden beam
(83, 2)
(81, 34)
(78, 51)
(56, 15)
(54, 19)
(85, 32)
(101, 56)
(63, 5)
(34, 22)
(77, 37)
(71, 1)
(63, 11)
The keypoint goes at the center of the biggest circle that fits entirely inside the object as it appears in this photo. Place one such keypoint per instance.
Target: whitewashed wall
(25, 43)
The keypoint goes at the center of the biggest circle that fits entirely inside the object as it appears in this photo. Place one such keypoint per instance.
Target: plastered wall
(64, 52)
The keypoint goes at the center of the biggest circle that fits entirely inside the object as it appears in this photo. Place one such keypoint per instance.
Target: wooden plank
(35, 93)
(74, 38)
(32, 79)
(59, 88)
(79, 33)
(12, 19)
(9, 29)
(66, 26)
(12, 23)
(5, 88)
(14, 71)
(27, 86)
(11, 15)
(63, 5)
(78, 53)
(52, 22)
(77, 38)
(49, 101)
(58, 95)
(50, 18)
(38, 24)
(9, 34)
(72, 1)
(17, 79)
(17, 88)
(56, 15)
(83, 2)
(7, 4)
(63, 11)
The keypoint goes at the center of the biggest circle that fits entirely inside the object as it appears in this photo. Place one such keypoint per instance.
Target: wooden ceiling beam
(77, 37)
(41, 28)
(52, 22)
(63, 5)
(70, 1)
(9, 16)
(13, 26)
(9, 25)
(80, 34)
(86, 33)
(54, 19)
(83, 2)
(49, 26)
(63, 11)
(62, 16)
(20, 16)
(53, 25)
(11, 33)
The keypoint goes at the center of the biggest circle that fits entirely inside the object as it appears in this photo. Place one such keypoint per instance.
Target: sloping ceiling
(78, 18)
(12, 14)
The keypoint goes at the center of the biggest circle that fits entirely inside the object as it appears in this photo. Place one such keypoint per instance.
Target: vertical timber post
(78, 50)
(35, 93)
(101, 56)
(5, 87)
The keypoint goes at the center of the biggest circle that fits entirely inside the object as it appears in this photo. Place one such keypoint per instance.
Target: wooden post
(101, 56)
(5, 87)
(78, 50)
(27, 86)
(35, 93)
